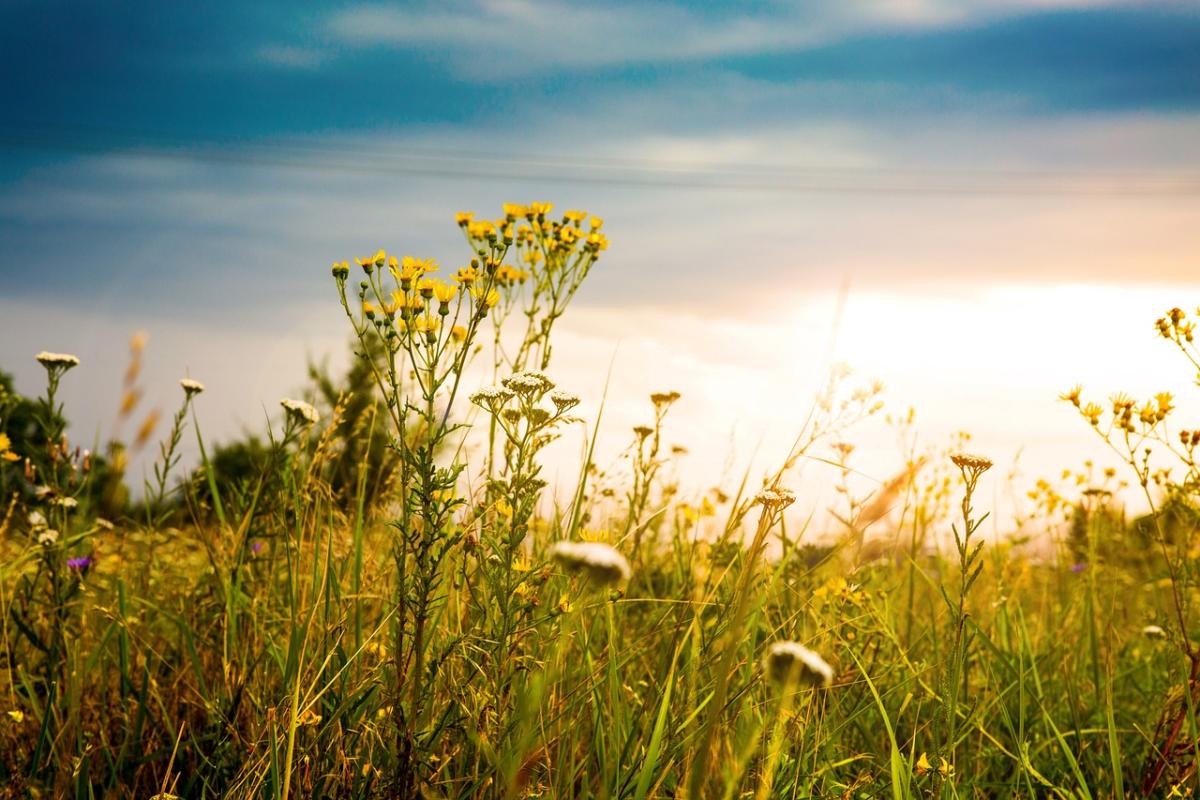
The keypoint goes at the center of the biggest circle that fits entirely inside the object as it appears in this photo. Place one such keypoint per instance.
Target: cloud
(494, 40)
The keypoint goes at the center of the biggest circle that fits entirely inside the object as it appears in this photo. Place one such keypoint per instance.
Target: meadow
(384, 598)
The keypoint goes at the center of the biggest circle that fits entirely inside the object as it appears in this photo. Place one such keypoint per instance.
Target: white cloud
(498, 39)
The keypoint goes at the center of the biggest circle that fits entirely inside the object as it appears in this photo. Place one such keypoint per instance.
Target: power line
(350, 158)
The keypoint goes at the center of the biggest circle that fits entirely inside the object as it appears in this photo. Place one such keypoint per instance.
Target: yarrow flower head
(491, 398)
(788, 662)
(971, 466)
(57, 360)
(47, 537)
(601, 564)
(775, 499)
(191, 387)
(68, 503)
(1154, 632)
(300, 411)
(563, 401)
(531, 382)
(972, 462)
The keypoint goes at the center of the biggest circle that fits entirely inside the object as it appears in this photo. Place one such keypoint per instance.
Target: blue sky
(192, 169)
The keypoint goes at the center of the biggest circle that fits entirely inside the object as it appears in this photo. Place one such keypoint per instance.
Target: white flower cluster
(191, 387)
(531, 382)
(300, 410)
(563, 401)
(787, 662)
(43, 534)
(491, 397)
(57, 360)
(598, 562)
(970, 461)
(776, 499)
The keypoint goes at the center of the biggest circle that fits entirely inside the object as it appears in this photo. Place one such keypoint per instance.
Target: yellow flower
(458, 333)
(368, 308)
(466, 276)
(308, 717)
(1092, 413)
(575, 216)
(540, 209)
(596, 222)
(507, 274)
(923, 765)
(463, 218)
(16, 715)
(488, 299)
(444, 292)
(1072, 395)
(597, 241)
(6, 449)
(427, 325)
(481, 230)
(564, 604)
(512, 210)
(945, 767)
(380, 258)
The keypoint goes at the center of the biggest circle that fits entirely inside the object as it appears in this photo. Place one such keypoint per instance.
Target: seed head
(788, 662)
(601, 564)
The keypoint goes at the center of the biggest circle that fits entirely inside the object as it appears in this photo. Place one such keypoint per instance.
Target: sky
(980, 203)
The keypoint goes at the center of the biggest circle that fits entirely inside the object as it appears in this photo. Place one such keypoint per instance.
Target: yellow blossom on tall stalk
(6, 451)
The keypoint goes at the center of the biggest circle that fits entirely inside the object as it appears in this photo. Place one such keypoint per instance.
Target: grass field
(385, 598)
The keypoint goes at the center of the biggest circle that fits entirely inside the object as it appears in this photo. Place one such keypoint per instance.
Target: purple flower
(256, 548)
(81, 563)
(1078, 567)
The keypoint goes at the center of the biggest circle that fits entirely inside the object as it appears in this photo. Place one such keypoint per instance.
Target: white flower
(300, 410)
(191, 387)
(601, 563)
(775, 499)
(787, 661)
(57, 360)
(491, 397)
(68, 503)
(563, 401)
(1154, 632)
(530, 382)
(970, 461)
(47, 537)
(36, 519)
